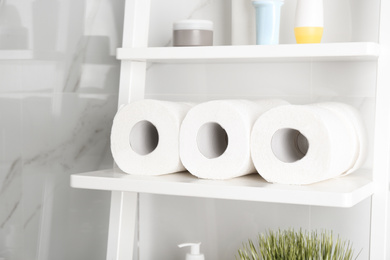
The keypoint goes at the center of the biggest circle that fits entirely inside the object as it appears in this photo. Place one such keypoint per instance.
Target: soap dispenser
(195, 251)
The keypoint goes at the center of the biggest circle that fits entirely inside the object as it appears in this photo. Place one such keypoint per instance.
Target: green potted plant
(296, 245)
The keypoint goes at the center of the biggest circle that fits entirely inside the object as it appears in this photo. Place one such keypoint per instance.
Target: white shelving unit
(254, 53)
(340, 192)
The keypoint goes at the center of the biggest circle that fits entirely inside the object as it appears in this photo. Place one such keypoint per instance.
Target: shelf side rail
(122, 238)
(135, 35)
(381, 164)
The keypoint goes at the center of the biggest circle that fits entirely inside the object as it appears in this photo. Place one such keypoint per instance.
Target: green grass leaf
(297, 245)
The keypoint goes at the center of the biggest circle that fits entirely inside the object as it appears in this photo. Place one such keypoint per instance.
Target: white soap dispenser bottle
(195, 251)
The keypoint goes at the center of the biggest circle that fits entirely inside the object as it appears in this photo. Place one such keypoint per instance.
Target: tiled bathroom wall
(58, 94)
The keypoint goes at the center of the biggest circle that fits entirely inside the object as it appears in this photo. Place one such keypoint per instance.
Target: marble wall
(58, 94)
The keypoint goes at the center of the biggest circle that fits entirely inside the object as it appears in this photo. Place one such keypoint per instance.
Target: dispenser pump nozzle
(195, 251)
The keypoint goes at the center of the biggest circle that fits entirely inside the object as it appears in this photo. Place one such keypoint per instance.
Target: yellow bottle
(309, 21)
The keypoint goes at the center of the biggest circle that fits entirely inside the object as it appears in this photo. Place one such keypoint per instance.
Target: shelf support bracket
(122, 227)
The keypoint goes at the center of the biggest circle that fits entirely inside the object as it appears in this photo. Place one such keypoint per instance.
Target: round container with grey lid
(193, 33)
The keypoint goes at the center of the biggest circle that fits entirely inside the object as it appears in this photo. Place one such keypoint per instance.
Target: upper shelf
(339, 192)
(254, 53)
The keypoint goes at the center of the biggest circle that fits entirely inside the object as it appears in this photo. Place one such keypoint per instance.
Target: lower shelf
(345, 191)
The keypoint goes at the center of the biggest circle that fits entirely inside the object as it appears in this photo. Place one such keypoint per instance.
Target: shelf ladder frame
(124, 205)
(381, 163)
(122, 235)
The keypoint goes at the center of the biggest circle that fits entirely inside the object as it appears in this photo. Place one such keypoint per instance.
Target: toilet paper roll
(145, 137)
(304, 144)
(215, 137)
(352, 116)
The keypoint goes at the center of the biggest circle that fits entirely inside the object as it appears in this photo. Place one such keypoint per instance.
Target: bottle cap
(195, 251)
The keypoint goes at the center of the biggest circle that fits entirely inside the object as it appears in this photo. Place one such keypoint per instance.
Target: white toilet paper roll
(352, 116)
(303, 144)
(145, 137)
(215, 137)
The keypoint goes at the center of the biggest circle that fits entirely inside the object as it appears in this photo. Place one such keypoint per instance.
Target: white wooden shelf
(254, 53)
(339, 192)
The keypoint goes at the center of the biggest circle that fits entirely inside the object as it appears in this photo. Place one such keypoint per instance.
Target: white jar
(193, 33)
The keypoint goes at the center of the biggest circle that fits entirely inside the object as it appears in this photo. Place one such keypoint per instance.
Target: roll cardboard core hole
(212, 140)
(289, 145)
(143, 137)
